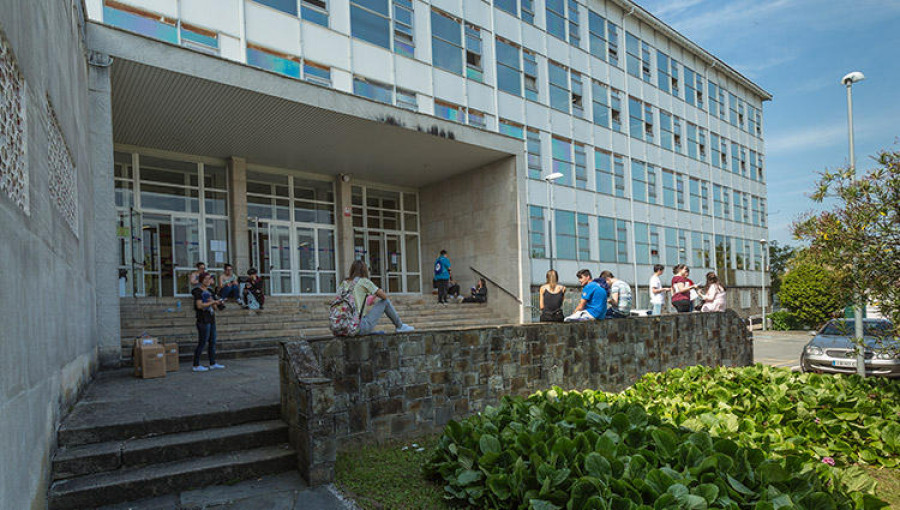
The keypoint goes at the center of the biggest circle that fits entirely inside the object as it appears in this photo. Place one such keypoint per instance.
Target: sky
(798, 50)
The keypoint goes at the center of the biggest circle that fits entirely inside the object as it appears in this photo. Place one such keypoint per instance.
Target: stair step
(94, 490)
(80, 460)
(70, 434)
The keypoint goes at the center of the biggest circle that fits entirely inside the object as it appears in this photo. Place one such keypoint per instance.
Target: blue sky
(798, 50)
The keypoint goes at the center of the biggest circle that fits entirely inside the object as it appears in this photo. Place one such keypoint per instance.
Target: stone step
(99, 489)
(80, 433)
(70, 462)
(233, 310)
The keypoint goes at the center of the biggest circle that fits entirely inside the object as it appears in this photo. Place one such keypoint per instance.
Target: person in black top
(254, 286)
(479, 293)
(205, 304)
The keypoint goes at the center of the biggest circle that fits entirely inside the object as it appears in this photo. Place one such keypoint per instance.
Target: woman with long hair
(552, 296)
(681, 288)
(478, 293)
(371, 301)
(714, 295)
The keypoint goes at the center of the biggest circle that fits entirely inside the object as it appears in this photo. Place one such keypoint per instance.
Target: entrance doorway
(171, 250)
(293, 258)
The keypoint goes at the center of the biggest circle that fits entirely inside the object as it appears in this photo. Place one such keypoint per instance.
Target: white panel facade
(220, 15)
(272, 29)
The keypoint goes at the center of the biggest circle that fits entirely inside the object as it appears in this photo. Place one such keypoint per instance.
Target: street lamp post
(848, 81)
(550, 180)
(762, 282)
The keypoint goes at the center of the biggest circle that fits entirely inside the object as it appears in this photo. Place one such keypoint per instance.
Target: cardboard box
(136, 352)
(171, 357)
(153, 361)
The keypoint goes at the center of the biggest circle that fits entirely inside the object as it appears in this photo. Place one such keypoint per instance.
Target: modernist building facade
(659, 143)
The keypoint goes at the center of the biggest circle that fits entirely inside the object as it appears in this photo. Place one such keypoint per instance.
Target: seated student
(229, 286)
(453, 289)
(254, 296)
(619, 296)
(194, 277)
(593, 299)
(552, 296)
(479, 293)
(363, 289)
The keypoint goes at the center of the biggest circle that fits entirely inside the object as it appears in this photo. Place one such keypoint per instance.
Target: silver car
(832, 351)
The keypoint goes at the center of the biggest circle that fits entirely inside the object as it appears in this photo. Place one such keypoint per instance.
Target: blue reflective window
(317, 74)
(564, 224)
(562, 160)
(533, 146)
(512, 129)
(448, 111)
(446, 43)
(258, 58)
(199, 39)
(508, 6)
(604, 173)
(148, 24)
(373, 90)
(556, 18)
(559, 87)
(509, 74)
(633, 54)
(597, 28)
(315, 11)
(369, 21)
(287, 6)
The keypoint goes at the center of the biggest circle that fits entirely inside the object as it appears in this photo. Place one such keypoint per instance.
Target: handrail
(486, 277)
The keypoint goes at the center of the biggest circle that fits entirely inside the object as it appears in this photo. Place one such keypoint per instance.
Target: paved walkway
(779, 348)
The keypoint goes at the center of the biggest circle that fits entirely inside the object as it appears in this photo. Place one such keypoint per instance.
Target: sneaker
(200, 368)
(459, 299)
(216, 367)
(405, 328)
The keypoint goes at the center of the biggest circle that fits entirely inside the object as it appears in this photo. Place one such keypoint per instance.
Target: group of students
(607, 297)
(248, 290)
(447, 287)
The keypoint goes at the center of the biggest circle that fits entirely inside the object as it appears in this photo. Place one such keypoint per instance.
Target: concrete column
(237, 214)
(344, 198)
(106, 283)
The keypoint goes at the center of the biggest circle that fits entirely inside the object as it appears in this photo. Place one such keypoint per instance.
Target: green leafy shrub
(812, 293)
(783, 320)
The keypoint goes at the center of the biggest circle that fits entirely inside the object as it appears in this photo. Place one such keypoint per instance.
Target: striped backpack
(343, 316)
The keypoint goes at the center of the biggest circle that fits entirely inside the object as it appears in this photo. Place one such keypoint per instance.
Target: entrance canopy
(171, 98)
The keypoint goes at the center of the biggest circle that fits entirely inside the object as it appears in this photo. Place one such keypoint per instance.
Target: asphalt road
(779, 348)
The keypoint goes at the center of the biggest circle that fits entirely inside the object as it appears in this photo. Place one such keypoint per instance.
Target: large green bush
(812, 293)
(783, 320)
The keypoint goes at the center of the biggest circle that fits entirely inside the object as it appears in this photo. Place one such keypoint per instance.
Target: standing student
(714, 297)
(593, 299)
(205, 303)
(681, 288)
(552, 296)
(364, 292)
(619, 296)
(442, 275)
(657, 291)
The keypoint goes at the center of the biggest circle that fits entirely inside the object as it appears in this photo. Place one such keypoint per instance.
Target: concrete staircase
(243, 333)
(101, 464)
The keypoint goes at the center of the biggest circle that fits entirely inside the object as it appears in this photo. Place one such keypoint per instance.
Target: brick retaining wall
(339, 391)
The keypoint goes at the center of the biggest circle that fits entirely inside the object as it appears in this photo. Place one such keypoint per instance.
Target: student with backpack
(442, 275)
(355, 310)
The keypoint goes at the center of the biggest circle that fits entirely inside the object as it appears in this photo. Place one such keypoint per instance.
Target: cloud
(805, 139)
(756, 68)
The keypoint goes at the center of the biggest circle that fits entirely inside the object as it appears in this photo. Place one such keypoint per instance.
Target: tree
(779, 255)
(859, 235)
(812, 292)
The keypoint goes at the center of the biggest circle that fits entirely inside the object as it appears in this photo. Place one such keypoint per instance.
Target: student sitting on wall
(593, 299)
(619, 296)
(371, 301)
(479, 293)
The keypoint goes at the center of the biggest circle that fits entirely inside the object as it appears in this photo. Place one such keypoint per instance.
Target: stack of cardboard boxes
(153, 359)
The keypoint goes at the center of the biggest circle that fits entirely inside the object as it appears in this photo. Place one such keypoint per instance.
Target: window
(528, 11)
(756, 171)
(581, 178)
(757, 257)
(665, 129)
(476, 118)
(600, 100)
(632, 54)
(723, 154)
(446, 42)
(733, 110)
(619, 171)
(645, 62)
(536, 232)
(565, 233)
(533, 147)
(735, 159)
(510, 128)
(673, 71)
(702, 249)
(704, 197)
(274, 61)
(642, 243)
(474, 70)
(509, 6)
(559, 87)
(509, 71)
(726, 203)
(679, 191)
(531, 75)
(641, 120)
(603, 172)
(744, 161)
(643, 182)
(701, 143)
(695, 199)
(738, 207)
(693, 88)
(758, 115)
(449, 111)
(315, 11)
(562, 159)
(403, 28)
(612, 41)
(663, 78)
(762, 212)
(574, 36)
(674, 246)
(373, 90)
(615, 107)
(407, 99)
(741, 117)
(597, 35)
(716, 150)
(721, 100)
(746, 207)
(613, 236)
(371, 21)
(741, 253)
(717, 201)
(316, 73)
(583, 231)
(556, 18)
(668, 184)
(676, 135)
(140, 21)
(751, 120)
(723, 253)
(715, 106)
(199, 39)
(577, 95)
(285, 6)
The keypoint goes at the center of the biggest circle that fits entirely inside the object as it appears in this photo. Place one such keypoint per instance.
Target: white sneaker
(406, 328)
(200, 368)
(216, 367)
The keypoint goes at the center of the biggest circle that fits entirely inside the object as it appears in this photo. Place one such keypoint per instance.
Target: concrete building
(139, 137)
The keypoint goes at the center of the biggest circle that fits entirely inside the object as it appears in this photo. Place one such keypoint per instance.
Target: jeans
(683, 306)
(230, 291)
(614, 313)
(382, 306)
(657, 309)
(442, 290)
(207, 333)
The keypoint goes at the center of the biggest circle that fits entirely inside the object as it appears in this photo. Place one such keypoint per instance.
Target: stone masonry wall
(343, 391)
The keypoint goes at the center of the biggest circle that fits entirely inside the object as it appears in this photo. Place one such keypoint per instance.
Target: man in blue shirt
(593, 299)
(442, 275)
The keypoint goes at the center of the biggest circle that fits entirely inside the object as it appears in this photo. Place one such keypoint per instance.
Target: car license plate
(844, 363)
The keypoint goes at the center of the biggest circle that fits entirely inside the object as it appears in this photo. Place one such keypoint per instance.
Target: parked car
(832, 351)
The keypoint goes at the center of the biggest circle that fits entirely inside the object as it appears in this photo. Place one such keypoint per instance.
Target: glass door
(280, 267)
(393, 257)
(185, 247)
(156, 255)
(374, 258)
(131, 253)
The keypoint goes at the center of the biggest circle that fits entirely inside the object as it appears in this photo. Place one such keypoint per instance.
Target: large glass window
(474, 69)
(386, 237)
(702, 249)
(619, 174)
(577, 99)
(140, 21)
(663, 78)
(641, 120)
(600, 99)
(565, 244)
(513, 129)
(632, 54)
(403, 28)
(373, 90)
(315, 11)
(615, 108)
(668, 185)
(704, 197)
(646, 73)
(642, 243)
(612, 41)
(449, 111)
(583, 231)
(531, 75)
(597, 29)
(556, 18)
(735, 159)
(690, 91)
(574, 36)
(562, 159)
(694, 188)
(559, 87)
(274, 61)
(613, 236)
(285, 6)
(533, 147)
(692, 141)
(509, 70)
(536, 232)
(371, 21)
(446, 42)
(665, 129)
(643, 182)
(581, 178)
(603, 171)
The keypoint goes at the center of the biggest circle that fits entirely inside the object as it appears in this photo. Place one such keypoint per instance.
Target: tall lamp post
(762, 282)
(848, 81)
(550, 180)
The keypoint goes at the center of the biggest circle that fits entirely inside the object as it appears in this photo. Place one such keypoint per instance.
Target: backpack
(438, 267)
(343, 317)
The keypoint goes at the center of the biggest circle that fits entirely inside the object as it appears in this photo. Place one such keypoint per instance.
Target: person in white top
(657, 291)
(714, 297)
